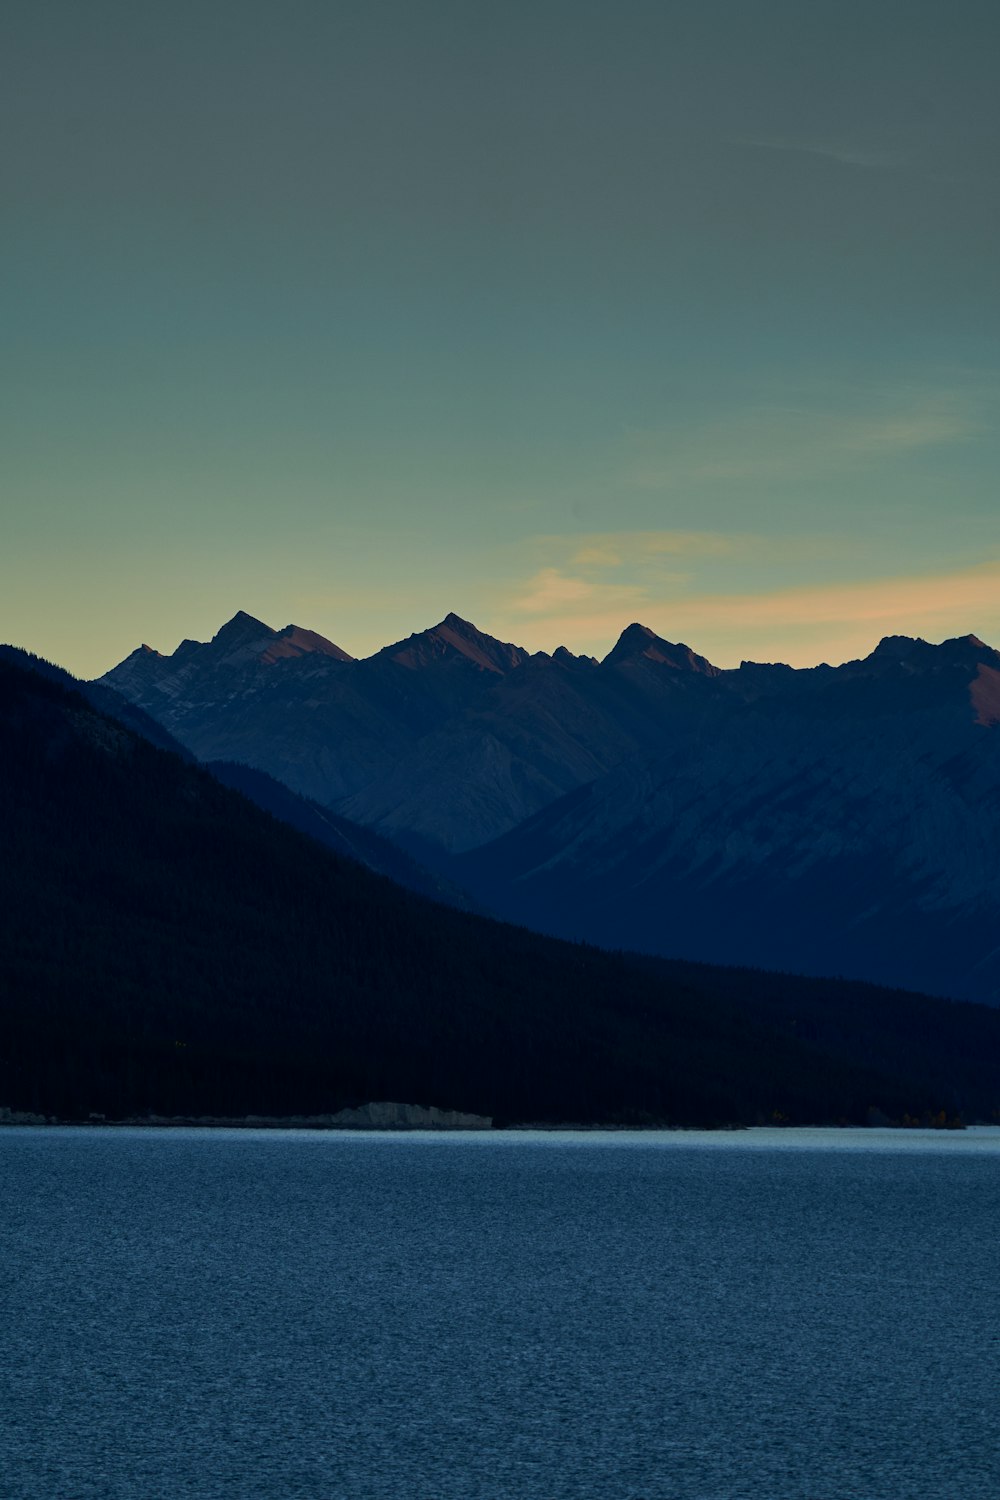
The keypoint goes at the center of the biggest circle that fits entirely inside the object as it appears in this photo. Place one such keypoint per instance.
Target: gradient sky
(557, 314)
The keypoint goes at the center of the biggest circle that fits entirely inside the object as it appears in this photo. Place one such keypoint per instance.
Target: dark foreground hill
(167, 947)
(350, 840)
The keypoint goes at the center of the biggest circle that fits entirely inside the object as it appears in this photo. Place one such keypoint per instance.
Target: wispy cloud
(615, 549)
(608, 576)
(607, 549)
(778, 440)
(553, 594)
(846, 153)
(927, 601)
(801, 625)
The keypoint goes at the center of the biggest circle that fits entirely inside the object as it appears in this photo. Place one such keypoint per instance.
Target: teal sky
(558, 315)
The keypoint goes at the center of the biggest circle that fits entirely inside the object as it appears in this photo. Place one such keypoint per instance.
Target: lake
(772, 1314)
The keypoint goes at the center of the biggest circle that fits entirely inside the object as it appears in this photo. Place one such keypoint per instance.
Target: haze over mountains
(826, 820)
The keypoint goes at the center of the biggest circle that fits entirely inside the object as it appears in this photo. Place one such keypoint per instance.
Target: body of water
(266, 1315)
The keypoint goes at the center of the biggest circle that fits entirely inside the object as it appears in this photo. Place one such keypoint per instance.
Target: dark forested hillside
(350, 840)
(105, 699)
(165, 946)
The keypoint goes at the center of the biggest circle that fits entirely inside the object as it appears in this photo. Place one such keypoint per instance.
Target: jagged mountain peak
(897, 647)
(242, 643)
(918, 653)
(969, 645)
(242, 627)
(635, 636)
(246, 631)
(454, 636)
(245, 628)
(905, 645)
(456, 622)
(638, 640)
(565, 655)
(295, 640)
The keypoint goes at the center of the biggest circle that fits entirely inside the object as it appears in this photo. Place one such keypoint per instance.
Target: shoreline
(22, 1119)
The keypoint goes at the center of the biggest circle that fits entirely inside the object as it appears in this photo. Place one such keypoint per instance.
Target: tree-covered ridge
(350, 840)
(165, 946)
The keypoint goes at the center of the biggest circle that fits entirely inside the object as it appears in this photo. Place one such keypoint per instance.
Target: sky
(557, 314)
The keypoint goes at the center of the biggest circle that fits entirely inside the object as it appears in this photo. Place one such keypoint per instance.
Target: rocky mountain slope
(830, 820)
(444, 740)
(840, 822)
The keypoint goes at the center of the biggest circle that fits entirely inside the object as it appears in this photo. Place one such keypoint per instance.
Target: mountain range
(830, 820)
(168, 947)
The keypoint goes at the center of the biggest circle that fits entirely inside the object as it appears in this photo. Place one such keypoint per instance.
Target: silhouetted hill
(106, 699)
(168, 947)
(349, 840)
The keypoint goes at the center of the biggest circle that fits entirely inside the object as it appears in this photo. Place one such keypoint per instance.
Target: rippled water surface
(803, 1314)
